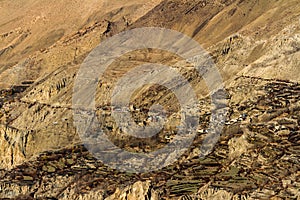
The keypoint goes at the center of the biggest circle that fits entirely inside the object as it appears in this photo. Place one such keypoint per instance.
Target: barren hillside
(255, 47)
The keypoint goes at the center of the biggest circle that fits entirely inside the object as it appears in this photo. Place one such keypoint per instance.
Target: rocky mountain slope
(255, 45)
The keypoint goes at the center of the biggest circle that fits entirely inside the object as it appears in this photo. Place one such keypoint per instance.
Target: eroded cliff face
(255, 45)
